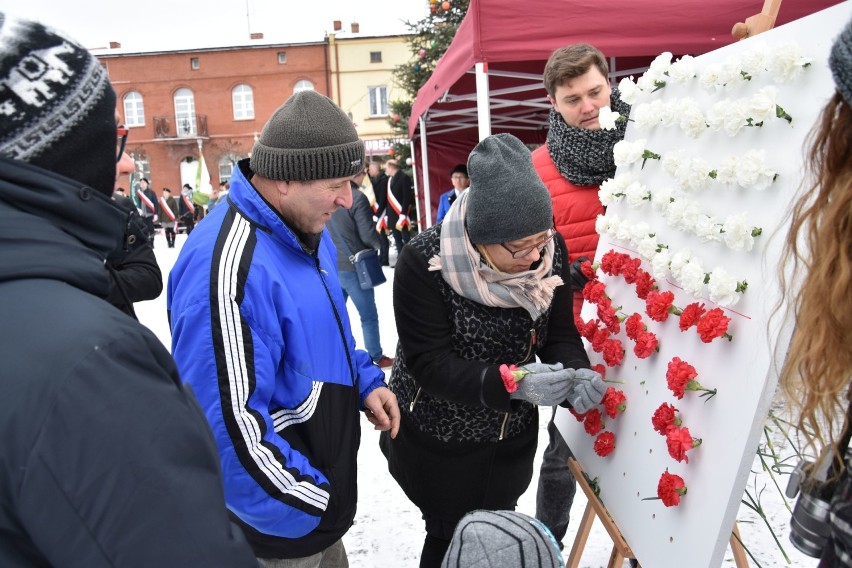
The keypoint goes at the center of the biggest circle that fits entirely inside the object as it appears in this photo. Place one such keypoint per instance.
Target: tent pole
(424, 159)
(483, 108)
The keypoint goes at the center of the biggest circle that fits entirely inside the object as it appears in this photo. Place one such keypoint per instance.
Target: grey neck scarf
(583, 156)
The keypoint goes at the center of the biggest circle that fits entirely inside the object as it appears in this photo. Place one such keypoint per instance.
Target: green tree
(430, 37)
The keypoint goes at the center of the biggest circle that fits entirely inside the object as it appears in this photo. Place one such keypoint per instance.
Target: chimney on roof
(338, 25)
(356, 27)
(257, 35)
(114, 45)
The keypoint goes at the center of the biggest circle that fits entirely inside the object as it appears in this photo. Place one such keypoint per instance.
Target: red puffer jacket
(575, 209)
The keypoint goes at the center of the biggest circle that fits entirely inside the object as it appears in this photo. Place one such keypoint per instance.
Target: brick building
(214, 99)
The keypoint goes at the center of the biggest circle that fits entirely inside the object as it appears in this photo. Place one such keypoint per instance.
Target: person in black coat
(106, 458)
(379, 181)
(400, 193)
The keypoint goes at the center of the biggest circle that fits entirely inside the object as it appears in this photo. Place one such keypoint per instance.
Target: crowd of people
(239, 447)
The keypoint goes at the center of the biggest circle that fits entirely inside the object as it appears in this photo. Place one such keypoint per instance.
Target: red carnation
(670, 489)
(630, 269)
(605, 444)
(614, 402)
(594, 291)
(678, 375)
(598, 340)
(586, 329)
(644, 284)
(646, 344)
(607, 314)
(633, 326)
(665, 417)
(593, 422)
(579, 417)
(714, 324)
(613, 352)
(611, 262)
(601, 370)
(587, 270)
(658, 305)
(690, 315)
(679, 441)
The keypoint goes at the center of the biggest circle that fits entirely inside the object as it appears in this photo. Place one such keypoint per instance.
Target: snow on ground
(388, 530)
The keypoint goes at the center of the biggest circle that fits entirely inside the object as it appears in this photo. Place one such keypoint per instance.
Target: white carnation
(692, 277)
(675, 212)
(661, 64)
(609, 193)
(636, 194)
(786, 62)
(752, 172)
(673, 161)
(729, 74)
(661, 198)
(709, 78)
(761, 105)
(668, 114)
(607, 118)
(646, 81)
(625, 153)
(628, 91)
(716, 116)
(727, 172)
(660, 264)
(692, 120)
(638, 232)
(723, 287)
(695, 176)
(682, 70)
(737, 233)
(707, 229)
(753, 60)
(602, 224)
(646, 115)
(647, 246)
(623, 231)
(678, 261)
(735, 117)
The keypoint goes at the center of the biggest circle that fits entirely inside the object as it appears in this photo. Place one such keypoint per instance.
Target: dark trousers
(170, 236)
(400, 237)
(384, 250)
(556, 484)
(438, 535)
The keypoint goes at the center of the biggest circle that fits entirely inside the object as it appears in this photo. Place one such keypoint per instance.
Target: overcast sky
(175, 24)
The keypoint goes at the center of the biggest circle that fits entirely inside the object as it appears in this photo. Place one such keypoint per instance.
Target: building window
(379, 101)
(185, 123)
(303, 85)
(282, 57)
(226, 167)
(195, 63)
(134, 110)
(375, 57)
(243, 100)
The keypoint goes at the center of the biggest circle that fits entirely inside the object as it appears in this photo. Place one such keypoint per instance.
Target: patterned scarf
(583, 156)
(462, 268)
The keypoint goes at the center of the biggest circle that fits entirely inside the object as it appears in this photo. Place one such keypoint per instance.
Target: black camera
(809, 526)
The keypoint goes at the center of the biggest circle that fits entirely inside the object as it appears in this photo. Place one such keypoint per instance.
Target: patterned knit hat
(507, 200)
(308, 138)
(840, 62)
(57, 109)
(497, 539)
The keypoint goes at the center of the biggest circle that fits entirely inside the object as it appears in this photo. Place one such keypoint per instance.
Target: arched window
(303, 85)
(242, 98)
(185, 119)
(226, 166)
(134, 110)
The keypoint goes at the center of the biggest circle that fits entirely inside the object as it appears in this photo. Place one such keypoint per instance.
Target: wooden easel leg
(582, 536)
(616, 559)
(740, 557)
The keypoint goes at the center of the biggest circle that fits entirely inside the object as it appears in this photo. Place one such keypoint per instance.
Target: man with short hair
(260, 330)
(379, 181)
(106, 459)
(460, 181)
(148, 206)
(400, 202)
(575, 161)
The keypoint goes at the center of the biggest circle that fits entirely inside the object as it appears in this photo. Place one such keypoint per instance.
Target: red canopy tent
(502, 45)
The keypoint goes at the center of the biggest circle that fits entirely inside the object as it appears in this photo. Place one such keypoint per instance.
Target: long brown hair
(817, 373)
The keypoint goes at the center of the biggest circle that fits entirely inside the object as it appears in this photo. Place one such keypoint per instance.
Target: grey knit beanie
(308, 138)
(507, 200)
(499, 539)
(840, 62)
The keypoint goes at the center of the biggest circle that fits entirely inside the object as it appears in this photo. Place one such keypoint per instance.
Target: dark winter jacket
(136, 276)
(106, 460)
(353, 230)
(401, 193)
(463, 443)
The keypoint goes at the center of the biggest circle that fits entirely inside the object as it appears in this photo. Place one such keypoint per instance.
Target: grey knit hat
(57, 108)
(507, 200)
(498, 539)
(308, 138)
(840, 62)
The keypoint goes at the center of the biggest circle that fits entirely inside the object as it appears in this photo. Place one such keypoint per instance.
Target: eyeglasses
(539, 246)
(121, 141)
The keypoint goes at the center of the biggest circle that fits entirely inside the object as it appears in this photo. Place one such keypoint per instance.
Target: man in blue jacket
(460, 183)
(256, 286)
(106, 458)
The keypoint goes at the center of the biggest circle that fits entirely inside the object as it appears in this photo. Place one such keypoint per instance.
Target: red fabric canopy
(515, 38)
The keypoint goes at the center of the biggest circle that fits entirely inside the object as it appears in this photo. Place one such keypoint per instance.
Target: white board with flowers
(685, 283)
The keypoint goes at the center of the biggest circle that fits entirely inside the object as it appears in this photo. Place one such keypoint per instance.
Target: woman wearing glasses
(486, 288)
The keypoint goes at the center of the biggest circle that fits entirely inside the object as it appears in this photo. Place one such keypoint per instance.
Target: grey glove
(587, 390)
(545, 385)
